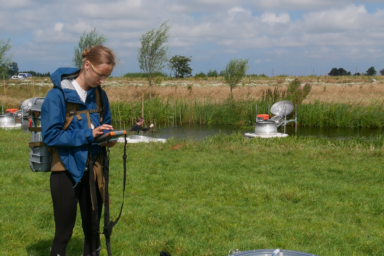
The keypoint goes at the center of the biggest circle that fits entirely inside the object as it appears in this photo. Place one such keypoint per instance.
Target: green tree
(152, 55)
(87, 40)
(180, 66)
(13, 69)
(371, 71)
(5, 60)
(339, 72)
(235, 70)
(212, 73)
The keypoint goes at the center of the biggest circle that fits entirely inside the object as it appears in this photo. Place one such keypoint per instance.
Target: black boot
(162, 253)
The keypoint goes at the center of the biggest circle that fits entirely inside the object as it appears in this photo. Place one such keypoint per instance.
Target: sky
(294, 37)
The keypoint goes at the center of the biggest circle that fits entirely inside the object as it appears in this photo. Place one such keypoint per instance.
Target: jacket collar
(60, 79)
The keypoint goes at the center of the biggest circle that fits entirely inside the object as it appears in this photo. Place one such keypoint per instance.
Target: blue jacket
(73, 143)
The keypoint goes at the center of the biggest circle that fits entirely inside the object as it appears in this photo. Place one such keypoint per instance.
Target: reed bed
(333, 101)
(243, 112)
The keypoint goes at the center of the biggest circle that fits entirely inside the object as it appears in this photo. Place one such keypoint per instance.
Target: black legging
(65, 199)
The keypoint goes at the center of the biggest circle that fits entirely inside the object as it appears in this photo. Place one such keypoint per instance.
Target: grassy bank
(204, 198)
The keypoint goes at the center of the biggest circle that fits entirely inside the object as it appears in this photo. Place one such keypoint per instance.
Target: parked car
(15, 77)
(19, 76)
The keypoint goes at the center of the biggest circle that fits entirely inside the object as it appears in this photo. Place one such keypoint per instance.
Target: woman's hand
(99, 130)
(151, 125)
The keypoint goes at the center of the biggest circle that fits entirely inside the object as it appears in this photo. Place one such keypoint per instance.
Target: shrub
(272, 96)
(212, 73)
(297, 93)
(201, 75)
(158, 81)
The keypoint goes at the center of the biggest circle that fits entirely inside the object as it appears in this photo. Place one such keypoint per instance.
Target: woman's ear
(86, 64)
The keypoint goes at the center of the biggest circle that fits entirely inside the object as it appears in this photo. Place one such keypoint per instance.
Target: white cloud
(14, 4)
(238, 9)
(271, 18)
(198, 26)
(58, 26)
(350, 18)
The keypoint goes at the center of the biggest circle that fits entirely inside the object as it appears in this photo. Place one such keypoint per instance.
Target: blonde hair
(98, 55)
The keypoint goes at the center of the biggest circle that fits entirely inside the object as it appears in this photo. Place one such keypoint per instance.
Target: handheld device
(113, 135)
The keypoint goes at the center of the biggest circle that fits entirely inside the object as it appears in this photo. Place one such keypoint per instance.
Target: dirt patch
(176, 147)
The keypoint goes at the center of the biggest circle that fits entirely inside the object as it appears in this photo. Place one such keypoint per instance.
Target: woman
(70, 135)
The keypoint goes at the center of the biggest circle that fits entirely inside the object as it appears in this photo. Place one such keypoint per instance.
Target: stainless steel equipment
(270, 252)
(27, 104)
(20, 115)
(280, 110)
(40, 157)
(265, 127)
(7, 120)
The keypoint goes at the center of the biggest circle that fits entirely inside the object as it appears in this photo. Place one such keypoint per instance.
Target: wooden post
(134, 116)
(175, 116)
(33, 86)
(4, 83)
(150, 117)
(180, 117)
(118, 109)
(115, 114)
(142, 105)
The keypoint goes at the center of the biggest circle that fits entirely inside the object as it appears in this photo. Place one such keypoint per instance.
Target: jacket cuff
(90, 137)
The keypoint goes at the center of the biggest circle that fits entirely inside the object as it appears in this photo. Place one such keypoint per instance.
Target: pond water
(199, 132)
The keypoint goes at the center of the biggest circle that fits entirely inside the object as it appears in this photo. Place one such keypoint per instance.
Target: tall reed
(243, 112)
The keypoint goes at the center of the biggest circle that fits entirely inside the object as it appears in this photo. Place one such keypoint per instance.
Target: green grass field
(305, 194)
